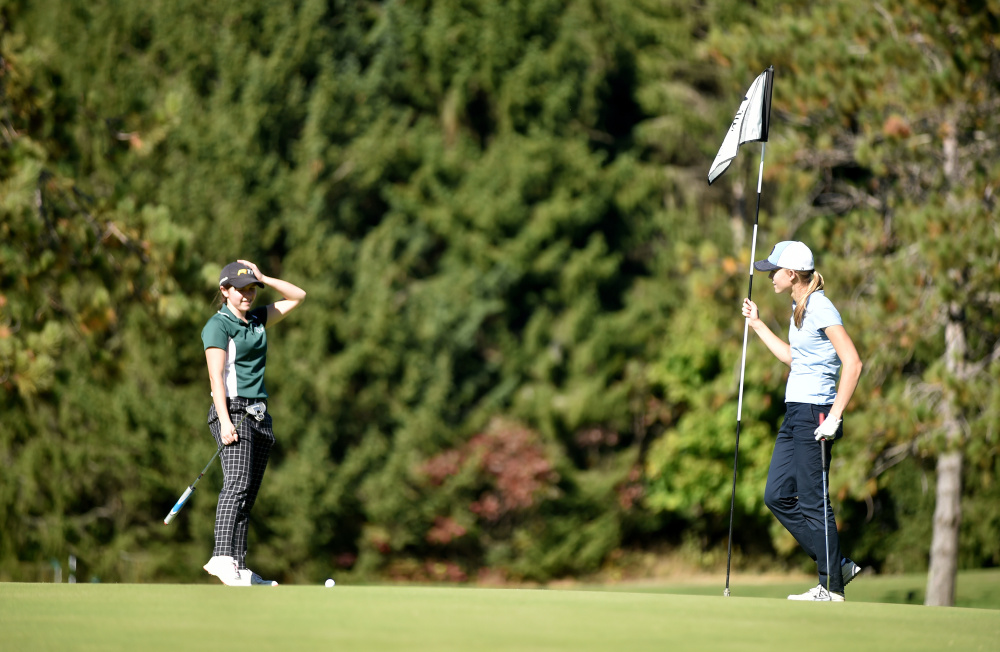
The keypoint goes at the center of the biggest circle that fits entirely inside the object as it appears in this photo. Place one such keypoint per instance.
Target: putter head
(257, 410)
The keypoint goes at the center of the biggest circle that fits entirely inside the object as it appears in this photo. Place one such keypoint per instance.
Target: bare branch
(888, 20)
(893, 456)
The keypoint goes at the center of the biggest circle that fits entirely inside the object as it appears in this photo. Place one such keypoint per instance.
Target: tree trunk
(944, 543)
(948, 495)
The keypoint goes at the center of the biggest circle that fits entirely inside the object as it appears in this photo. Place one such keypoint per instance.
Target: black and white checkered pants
(243, 464)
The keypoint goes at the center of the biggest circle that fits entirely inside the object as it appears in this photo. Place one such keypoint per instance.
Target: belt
(239, 400)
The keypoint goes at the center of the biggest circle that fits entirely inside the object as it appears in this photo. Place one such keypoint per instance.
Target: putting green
(63, 617)
(976, 588)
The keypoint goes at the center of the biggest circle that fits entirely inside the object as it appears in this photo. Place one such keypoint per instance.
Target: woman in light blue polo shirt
(818, 350)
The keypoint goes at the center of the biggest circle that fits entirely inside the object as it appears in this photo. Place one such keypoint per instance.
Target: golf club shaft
(826, 526)
(187, 492)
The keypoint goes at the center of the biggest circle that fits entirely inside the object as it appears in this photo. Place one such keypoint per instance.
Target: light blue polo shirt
(815, 363)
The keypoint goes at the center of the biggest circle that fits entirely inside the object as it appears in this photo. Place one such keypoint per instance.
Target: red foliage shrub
(513, 469)
(444, 530)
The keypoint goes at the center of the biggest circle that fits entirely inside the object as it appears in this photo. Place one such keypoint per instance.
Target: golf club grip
(236, 426)
(178, 505)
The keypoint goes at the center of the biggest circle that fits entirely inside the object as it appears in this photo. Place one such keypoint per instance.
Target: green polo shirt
(245, 344)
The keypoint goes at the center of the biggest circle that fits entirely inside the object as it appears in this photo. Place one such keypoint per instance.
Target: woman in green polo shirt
(235, 342)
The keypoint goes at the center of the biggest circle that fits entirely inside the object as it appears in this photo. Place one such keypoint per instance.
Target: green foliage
(520, 350)
(894, 185)
(89, 413)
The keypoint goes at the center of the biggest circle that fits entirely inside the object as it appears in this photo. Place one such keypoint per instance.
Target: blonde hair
(815, 281)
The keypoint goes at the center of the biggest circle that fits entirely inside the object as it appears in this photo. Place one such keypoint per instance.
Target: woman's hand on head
(253, 268)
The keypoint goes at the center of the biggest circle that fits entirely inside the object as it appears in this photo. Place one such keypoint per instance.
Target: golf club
(257, 410)
(826, 527)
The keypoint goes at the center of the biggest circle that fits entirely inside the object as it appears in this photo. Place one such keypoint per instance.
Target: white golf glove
(827, 429)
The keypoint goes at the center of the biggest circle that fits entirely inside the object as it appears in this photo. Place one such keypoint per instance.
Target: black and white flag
(750, 124)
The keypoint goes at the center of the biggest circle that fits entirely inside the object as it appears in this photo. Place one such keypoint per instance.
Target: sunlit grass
(207, 617)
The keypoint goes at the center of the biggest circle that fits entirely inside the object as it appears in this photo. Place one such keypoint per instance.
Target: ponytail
(815, 280)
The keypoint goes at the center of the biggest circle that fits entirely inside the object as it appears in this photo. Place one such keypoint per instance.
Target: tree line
(519, 357)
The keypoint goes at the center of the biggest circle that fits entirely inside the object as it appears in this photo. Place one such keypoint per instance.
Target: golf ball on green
(329, 583)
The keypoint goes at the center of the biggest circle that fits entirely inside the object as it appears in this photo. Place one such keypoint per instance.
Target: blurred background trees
(518, 360)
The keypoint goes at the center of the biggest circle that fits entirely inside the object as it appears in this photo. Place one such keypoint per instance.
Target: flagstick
(743, 364)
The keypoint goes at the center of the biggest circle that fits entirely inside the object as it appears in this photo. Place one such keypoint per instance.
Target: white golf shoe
(818, 594)
(250, 578)
(224, 568)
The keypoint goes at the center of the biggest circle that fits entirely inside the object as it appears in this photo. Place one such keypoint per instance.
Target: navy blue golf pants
(794, 492)
(243, 464)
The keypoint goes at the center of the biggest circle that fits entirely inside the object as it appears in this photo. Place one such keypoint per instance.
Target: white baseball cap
(789, 254)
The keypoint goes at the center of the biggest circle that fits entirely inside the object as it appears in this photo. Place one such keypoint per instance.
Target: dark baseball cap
(238, 275)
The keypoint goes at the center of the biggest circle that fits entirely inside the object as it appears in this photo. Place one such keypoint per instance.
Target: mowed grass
(64, 617)
(978, 589)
